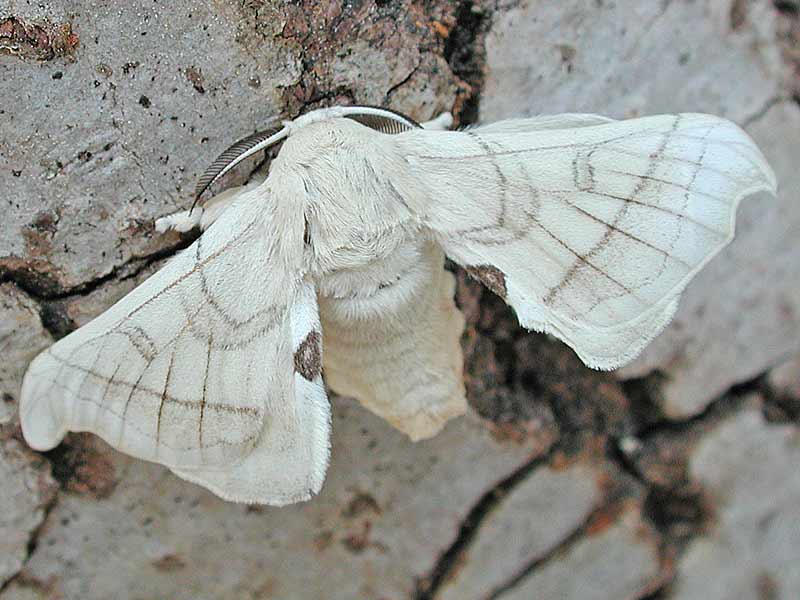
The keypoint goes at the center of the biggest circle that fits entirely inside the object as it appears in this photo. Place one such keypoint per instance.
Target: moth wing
(590, 232)
(403, 363)
(562, 121)
(210, 367)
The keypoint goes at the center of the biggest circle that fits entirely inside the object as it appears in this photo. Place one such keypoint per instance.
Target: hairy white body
(589, 228)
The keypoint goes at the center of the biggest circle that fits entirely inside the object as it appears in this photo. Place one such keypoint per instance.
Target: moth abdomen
(381, 285)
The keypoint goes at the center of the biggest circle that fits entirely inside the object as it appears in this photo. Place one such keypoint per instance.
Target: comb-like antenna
(235, 154)
(384, 120)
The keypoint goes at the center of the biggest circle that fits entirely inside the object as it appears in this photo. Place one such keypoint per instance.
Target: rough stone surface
(630, 58)
(789, 38)
(21, 338)
(748, 469)
(27, 489)
(387, 510)
(129, 135)
(615, 560)
(75, 311)
(623, 59)
(149, 97)
(785, 379)
(535, 518)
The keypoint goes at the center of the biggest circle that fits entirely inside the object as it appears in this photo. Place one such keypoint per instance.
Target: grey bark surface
(562, 482)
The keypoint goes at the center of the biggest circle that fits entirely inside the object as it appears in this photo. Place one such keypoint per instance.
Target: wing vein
(605, 240)
(205, 391)
(628, 235)
(162, 400)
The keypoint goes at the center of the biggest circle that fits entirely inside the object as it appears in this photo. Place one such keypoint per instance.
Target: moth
(590, 228)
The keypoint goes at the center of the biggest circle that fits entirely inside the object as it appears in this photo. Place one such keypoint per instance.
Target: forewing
(590, 231)
(195, 368)
(289, 461)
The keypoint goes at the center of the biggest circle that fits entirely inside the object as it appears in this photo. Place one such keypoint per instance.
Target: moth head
(383, 120)
(324, 181)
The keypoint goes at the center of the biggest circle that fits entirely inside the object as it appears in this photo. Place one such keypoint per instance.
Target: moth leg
(184, 220)
(441, 123)
(204, 216)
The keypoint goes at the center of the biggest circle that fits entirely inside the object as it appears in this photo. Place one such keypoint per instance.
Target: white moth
(589, 228)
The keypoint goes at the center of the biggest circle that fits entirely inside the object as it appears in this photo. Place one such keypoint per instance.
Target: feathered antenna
(380, 119)
(383, 120)
(232, 156)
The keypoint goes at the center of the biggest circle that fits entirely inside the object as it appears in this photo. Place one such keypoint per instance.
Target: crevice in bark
(626, 486)
(778, 408)
(658, 456)
(788, 7)
(465, 52)
(51, 301)
(761, 112)
(644, 394)
(32, 283)
(788, 35)
(33, 543)
(726, 403)
(674, 505)
(78, 467)
(561, 549)
(428, 586)
(660, 593)
(400, 84)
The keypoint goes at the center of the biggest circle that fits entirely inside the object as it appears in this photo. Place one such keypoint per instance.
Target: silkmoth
(589, 228)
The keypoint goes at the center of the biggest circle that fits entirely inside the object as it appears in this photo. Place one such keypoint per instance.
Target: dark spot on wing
(492, 277)
(308, 357)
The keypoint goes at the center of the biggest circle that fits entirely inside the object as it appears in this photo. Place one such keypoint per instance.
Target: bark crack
(33, 542)
(465, 52)
(401, 83)
(765, 108)
(428, 587)
(50, 301)
(560, 550)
